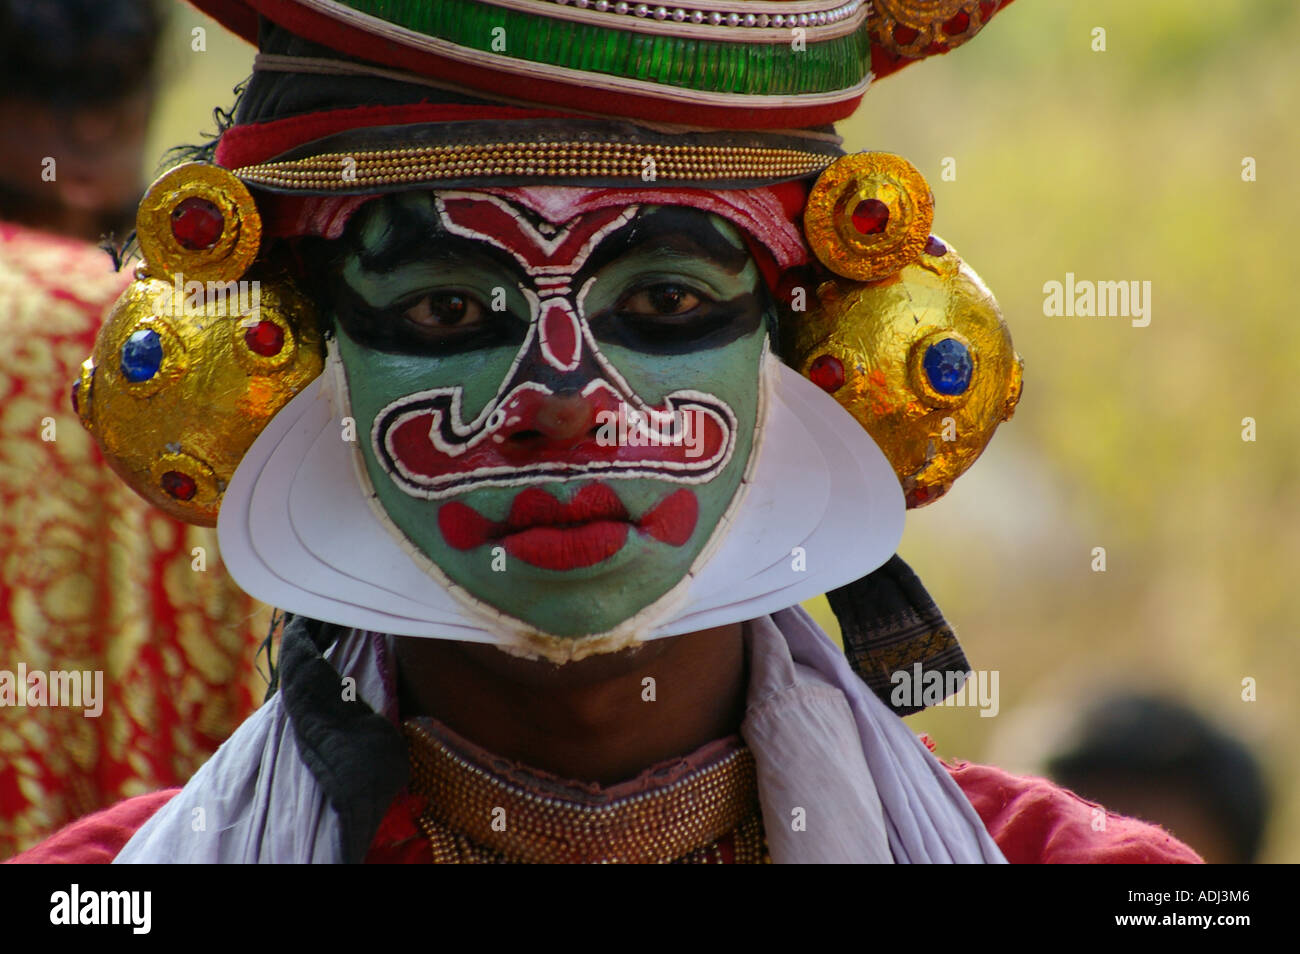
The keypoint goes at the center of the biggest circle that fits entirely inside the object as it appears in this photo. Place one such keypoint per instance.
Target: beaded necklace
(707, 814)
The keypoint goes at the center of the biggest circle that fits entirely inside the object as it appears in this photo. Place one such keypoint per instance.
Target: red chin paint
(547, 533)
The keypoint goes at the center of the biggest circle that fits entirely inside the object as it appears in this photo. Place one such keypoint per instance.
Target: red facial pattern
(545, 421)
(553, 436)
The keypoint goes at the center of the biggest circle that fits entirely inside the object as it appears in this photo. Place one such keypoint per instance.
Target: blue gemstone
(142, 355)
(948, 365)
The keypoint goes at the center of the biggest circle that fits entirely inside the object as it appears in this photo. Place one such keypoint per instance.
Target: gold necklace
(709, 814)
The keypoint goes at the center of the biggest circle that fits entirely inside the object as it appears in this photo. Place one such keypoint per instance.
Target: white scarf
(840, 777)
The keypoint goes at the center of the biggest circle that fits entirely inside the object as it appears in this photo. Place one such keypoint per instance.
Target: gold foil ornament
(868, 215)
(198, 222)
(183, 377)
(911, 27)
(922, 359)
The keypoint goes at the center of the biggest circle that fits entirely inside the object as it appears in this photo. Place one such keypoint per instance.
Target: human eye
(442, 313)
(663, 299)
(435, 321)
(667, 315)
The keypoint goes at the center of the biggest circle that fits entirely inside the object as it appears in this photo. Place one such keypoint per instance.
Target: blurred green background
(1116, 165)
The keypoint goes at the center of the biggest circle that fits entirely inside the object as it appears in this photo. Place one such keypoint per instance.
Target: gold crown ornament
(868, 215)
(913, 28)
(200, 351)
(904, 335)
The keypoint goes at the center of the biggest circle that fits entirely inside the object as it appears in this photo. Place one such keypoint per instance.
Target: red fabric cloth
(97, 838)
(1032, 820)
(399, 840)
(1036, 822)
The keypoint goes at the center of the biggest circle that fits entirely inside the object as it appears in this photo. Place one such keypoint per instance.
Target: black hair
(205, 151)
(1157, 741)
(77, 53)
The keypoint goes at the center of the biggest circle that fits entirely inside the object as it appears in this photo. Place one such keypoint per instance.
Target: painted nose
(556, 421)
(563, 417)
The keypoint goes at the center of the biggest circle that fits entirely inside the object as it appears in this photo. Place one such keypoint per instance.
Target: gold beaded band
(474, 815)
(364, 171)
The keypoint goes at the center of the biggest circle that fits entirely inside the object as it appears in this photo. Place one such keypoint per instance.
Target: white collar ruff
(297, 529)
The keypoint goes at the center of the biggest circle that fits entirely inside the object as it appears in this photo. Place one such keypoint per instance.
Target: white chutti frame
(296, 530)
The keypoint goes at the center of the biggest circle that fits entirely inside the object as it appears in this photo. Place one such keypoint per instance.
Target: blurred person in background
(1161, 761)
(74, 110)
(91, 578)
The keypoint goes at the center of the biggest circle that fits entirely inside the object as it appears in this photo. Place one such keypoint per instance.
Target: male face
(555, 414)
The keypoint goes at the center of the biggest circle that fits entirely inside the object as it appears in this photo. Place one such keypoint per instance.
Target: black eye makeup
(443, 313)
(671, 316)
(435, 321)
(401, 284)
(671, 283)
(666, 299)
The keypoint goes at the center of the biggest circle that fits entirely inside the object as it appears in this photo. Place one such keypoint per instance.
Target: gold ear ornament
(922, 359)
(200, 351)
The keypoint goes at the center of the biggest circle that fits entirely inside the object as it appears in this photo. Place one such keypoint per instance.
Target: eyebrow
(441, 249)
(415, 235)
(671, 231)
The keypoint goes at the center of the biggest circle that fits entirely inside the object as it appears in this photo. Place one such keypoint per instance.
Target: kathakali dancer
(538, 358)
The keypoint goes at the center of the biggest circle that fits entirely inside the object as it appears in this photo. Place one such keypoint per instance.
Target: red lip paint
(548, 533)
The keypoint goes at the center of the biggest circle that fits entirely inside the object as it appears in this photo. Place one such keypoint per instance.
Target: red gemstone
(870, 216)
(827, 373)
(904, 35)
(197, 223)
(265, 338)
(181, 486)
(957, 24)
(935, 248)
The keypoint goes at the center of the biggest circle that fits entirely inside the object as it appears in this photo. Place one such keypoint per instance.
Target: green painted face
(556, 414)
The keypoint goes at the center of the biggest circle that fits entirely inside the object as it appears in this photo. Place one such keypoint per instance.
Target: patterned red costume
(92, 578)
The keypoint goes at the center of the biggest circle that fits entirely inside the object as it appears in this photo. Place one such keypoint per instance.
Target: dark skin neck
(586, 720)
